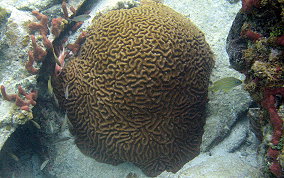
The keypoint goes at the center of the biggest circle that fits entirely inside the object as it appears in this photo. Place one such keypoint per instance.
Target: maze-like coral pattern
(138, 90)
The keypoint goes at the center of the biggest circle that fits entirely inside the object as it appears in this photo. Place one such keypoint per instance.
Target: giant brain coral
(138, 90)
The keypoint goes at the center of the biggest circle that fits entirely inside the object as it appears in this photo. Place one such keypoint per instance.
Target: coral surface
(138, 89)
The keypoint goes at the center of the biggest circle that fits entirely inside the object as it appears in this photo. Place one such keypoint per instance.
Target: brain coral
(138, 89)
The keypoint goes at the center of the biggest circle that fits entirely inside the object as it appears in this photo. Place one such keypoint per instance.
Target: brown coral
(138, 89)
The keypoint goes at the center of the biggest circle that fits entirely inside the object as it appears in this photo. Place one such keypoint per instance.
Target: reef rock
(13, 49)
(255, 48)
(137, 92)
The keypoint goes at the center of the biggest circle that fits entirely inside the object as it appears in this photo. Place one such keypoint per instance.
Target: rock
(235, 44)
(225, 110)
(29, 5)
(220, 166)
(14, 42)
(255, 48)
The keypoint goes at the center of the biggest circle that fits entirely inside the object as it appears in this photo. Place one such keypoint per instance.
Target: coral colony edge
(134, 85)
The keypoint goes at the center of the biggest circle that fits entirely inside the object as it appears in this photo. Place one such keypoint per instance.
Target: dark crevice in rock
(23, 153)
(241, 116)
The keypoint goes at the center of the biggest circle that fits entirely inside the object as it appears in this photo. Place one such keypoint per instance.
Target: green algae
(4, 14)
